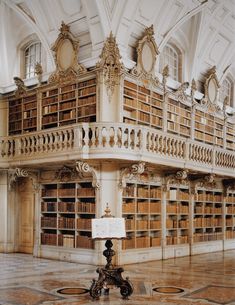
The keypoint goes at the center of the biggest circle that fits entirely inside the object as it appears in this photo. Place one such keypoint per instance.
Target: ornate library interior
(117, 130)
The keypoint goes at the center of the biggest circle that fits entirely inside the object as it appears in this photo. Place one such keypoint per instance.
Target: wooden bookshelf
(230, 216)
(230, 136)
(142, 106)
(141, 208)
(208, 128)
(177, 216)
(178, 118)
(66, 213)
(208, 216)
(23, 114)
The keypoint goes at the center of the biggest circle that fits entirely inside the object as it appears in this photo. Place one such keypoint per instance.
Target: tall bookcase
(208, 216)
(66, 213)
(177, 216)
(208, 128)
(141, 208)
(142, 106)
(230, 136)
(69, 104)
(230, 216)
(23, 114)
(178, 118)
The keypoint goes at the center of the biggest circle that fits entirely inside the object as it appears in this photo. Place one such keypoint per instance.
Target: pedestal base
(110, 277)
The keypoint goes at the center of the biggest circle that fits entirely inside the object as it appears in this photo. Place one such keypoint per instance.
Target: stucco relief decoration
(38, 72)
(193, 90)
(20, 86)
(130, 173)
(15, 174)
(180, 92)
(179, 178)
(165, 75)
(211, 91)
(208, 182)
(65, 54)
(111, 64)
(147, 52)
(84, 168)
(66, 173)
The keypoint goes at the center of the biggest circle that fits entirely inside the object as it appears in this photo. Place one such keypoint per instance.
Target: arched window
(226, 91)
(32, 55)
(171, 56)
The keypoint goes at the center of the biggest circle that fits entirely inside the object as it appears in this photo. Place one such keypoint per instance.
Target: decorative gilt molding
(21, 88)
(179, 178)
(130, 173)
(65, 51)
(180, 92)
(111, 64)
(84, 168)
(211, 91)
(147, 52)
(66, 173)
(38, 71)
(207, 182)
(15, 174)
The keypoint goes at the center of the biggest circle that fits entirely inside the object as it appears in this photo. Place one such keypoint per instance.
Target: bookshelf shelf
(230, 216)
(67, 208)
(141, 208)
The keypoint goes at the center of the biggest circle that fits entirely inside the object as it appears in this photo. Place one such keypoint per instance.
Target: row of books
(200, 237)
(66, 223)
(174, 223)
(230, 209)
(67, 240)
(177, 209)
(207, 210)
(208, 222)
(29, 106)
(230, 222)
(208, 197)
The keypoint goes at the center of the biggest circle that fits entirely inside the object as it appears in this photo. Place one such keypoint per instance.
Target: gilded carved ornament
(66, 173)
(179, 178)
(20, 86)
(211, 91)
(15, 174)
(147, 52)
(130, 173)
(84, 168)
(65, 51)
(111, 64)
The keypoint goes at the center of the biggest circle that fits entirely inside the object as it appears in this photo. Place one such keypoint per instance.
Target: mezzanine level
(114, 141)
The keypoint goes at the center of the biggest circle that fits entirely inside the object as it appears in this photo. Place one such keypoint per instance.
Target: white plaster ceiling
(205, 30)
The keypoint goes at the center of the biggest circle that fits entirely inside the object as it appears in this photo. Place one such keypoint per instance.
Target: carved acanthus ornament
(180, 92)
(16, 173)
(21, 88)
(179, 178)
(211, 91)
(38, 71)
(66, 173)
(65, 53)
(207, 182)
(84, 168)
(165, 75)
(147, 52)
(111, 64)
(130, 173)
(193, 90)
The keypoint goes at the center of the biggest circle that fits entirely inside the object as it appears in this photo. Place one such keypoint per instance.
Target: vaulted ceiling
(204, 30)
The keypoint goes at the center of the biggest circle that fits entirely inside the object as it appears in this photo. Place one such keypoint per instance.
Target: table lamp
(108, 227)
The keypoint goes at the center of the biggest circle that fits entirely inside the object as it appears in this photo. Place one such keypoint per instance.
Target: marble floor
(197, 280)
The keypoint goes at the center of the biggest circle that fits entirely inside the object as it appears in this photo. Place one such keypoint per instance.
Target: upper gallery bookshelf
(69, 104)
(23, 114)
(230, 216)
(142, 106)
(66, 213)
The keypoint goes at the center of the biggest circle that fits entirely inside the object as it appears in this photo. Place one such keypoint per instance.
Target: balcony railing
(117, 141)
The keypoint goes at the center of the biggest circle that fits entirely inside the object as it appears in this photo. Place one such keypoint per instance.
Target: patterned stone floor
(207, 279)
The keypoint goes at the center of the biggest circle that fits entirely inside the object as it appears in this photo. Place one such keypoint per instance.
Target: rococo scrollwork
(65, 54)
(131, 172)
(84, 168)
(16, 173)
(179, 178)
(111, 64)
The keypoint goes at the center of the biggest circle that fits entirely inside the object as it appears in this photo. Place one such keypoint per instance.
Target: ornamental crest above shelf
(211, 86)
(111, 64)
(65, 54)
(147, 52)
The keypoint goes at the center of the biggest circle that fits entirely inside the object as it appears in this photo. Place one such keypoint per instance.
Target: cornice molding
(130, 173)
